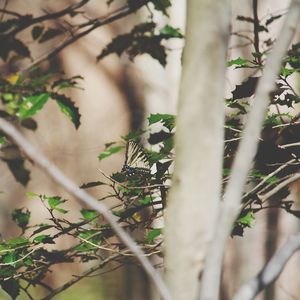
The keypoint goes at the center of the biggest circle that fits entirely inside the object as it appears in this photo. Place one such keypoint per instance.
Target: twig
(271, 271)
(280, 186)
(95, 24)
(244, 157)
(22, 258)
(256, 29)
(256, 188)
(78, 278)
(48, 16)
(290, 145)
(36, 156)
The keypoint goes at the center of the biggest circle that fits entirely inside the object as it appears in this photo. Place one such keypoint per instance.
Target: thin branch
(271, 271)
(256, 29)
(48, 16)
(245, 155)
(78, 278)
(95, 24)
(280, 186)
(258, 186)
(36, 156)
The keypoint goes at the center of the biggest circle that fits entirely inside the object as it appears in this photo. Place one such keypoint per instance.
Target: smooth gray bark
(196, 189)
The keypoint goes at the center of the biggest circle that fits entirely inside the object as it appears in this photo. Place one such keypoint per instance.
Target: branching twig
(271, 271)
(94, 24)
(78, 278)
(36, 156)
(280, 186)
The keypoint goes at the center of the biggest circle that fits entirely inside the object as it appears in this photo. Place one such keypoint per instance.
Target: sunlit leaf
(32, 104)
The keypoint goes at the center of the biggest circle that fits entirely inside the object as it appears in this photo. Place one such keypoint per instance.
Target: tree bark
(196, 190)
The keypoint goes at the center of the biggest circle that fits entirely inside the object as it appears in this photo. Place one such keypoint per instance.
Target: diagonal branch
(36, 156)
(92, 26)
(48, 16)
(245, 155)
(271, 271)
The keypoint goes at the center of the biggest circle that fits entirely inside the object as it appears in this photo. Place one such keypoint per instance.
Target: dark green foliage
(49, 34)
(246, 89)
(21, 217)
(142, 39)
(10, 44)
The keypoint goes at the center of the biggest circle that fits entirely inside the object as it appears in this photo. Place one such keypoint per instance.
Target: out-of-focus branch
(280, 186)
(48, 16)
(36, 156)
(92, 26)
(244, 157)
(271, 271)
(78, 278)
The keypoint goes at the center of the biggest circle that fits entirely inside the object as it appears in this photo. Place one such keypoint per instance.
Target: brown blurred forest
(116, 97)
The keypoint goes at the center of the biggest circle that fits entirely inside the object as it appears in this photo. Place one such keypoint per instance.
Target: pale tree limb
(197, 181)
(36, 156)
(280, 186)
(271, 271)
(210, 282)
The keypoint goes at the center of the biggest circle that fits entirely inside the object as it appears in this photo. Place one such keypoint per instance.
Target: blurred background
(117, 97)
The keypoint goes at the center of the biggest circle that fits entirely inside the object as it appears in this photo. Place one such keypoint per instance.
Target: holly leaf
(67, 106)
(21, 217)
(246, 89)
(11, 287)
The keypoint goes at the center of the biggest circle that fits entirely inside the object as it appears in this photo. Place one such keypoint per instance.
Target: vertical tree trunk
(195, 194)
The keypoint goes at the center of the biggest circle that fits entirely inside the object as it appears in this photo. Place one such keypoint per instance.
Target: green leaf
(17, 242)
(285, 72)
(145, 201)
(153, 233)
(170, 32)
(237, 62)
(248, 219)
(11, 287)
(111, 150)
(44, 239)
(21, 217)
(31, 195)
(167, 120)
(32, 104)
(2, 140)
(54, 202)
(67, 106)
(10, 258)
(89, 214)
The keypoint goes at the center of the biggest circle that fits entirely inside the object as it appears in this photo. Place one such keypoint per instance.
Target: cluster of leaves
(143, 38)
(26, 260)
(279, 127)
(22, 97)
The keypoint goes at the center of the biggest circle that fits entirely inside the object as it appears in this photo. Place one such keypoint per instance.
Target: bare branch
(244, 157)
(36, 156)
(271, 271)
(280, 186)
(78, 278)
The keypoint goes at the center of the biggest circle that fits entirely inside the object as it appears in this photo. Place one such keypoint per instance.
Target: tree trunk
(195, 194)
